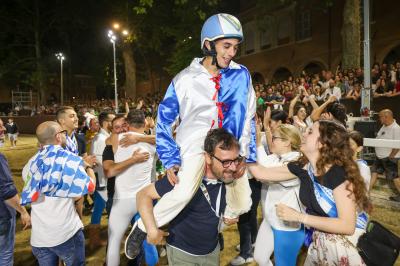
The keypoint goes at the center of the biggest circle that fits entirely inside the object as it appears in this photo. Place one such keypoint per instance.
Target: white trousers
(264, 245)
(191, 173)
(122, 212)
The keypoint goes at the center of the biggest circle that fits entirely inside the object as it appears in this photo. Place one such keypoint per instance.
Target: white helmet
(221, 26)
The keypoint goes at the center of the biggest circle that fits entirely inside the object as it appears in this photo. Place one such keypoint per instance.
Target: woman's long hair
(336, 150)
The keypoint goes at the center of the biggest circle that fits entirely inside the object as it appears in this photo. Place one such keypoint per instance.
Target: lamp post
(61, 57)
(113, 38)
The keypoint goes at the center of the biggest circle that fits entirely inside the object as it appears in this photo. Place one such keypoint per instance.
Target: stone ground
(384, 212)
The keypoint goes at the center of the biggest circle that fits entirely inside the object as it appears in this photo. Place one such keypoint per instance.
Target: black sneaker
(395, 198)
(134, 242)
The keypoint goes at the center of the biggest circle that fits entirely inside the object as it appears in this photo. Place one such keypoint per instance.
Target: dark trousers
(247, 225)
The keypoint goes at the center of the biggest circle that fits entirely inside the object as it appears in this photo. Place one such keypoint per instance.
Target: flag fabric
(56, 172)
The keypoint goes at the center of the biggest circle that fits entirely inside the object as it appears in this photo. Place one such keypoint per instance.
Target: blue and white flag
(56, 172)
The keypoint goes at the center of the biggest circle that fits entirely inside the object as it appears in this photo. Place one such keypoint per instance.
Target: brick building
(295, 37)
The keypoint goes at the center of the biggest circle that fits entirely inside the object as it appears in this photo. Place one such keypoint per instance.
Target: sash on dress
(56, 172)
(326, 200)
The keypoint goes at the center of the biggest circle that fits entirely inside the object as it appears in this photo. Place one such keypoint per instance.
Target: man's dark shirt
(108, 154)
(11, 129)
(195, 229)
(80, 139)
(7, 189)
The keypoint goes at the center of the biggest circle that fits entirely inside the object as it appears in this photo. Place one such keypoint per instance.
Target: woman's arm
(292, 104)
(316, 113)
(313, 102)
(267, 129)
(274, 174)
(126, 108)
(344, 224)
(349, 94)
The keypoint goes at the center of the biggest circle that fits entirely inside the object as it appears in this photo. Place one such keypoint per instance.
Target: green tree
(164, 36)
(351, 34)
(33, 30)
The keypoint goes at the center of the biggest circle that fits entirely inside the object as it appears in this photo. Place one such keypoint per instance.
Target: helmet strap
(212, 52)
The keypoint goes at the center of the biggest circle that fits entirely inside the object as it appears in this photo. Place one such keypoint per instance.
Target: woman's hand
(267, 117)
(288, 214)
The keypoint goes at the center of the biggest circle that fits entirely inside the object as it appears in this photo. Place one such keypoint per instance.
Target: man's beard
(220, 176)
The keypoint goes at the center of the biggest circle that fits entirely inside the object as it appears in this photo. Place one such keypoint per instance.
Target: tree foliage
(168, 32)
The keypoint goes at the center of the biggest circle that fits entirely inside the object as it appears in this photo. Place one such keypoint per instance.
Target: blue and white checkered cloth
(56, 172)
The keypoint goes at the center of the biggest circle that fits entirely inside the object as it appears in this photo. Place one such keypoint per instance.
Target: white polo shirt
(391, 132)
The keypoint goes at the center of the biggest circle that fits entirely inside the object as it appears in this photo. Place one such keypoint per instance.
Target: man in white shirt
(128, 182)
(56, 226)
(100, 195)
(387, 158)
(332, 90)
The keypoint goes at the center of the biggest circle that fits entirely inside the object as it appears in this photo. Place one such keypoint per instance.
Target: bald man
(387, 159)
(55, 179)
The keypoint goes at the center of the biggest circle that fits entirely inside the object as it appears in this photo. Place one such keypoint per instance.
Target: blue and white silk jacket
(202, 102)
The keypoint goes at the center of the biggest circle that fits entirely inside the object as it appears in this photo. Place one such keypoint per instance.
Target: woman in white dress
(274, 235)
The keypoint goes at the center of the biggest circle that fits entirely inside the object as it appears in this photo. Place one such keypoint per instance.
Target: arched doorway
(393, 56)
(281, 74)
(313, 68)
(257, 78)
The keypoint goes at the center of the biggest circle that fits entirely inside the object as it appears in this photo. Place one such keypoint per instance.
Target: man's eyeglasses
(227, 163)
(61, 132)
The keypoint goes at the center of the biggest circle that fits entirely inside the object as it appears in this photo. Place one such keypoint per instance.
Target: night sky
(76, 28)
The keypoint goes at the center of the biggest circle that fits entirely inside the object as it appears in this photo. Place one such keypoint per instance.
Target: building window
(284, 30)
(249, 40)
(266, 31)
(265, 39)
(303, 25)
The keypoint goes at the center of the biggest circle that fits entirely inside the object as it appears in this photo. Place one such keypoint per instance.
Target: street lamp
(61, 57)
(113, 38)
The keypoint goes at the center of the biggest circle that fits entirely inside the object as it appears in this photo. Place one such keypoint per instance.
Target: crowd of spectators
(343, 84)
(148, 104)
(307, 99)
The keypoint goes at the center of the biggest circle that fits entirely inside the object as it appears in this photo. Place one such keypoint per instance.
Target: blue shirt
(195, 229)
(7, 189)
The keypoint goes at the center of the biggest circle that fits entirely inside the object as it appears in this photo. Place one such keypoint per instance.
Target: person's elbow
(349, 229)
(314, 115)
(108, 172)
